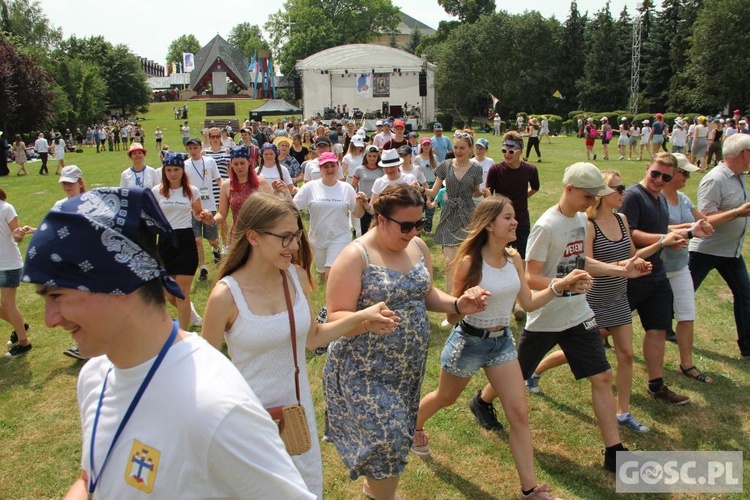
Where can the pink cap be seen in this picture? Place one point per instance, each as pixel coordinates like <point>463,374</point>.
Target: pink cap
<point>327,157</point>
<point>425,139</point>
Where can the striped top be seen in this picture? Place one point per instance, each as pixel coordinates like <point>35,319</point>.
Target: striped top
<point>609,289</point>
<point>222,162</point>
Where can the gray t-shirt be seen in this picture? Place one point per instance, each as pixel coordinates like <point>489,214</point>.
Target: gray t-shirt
<point>366,178</point>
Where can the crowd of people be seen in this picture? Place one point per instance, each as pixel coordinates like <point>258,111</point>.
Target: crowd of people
<point>575,275</point>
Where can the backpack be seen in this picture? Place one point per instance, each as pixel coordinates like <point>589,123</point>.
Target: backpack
<point>608,134</point>
<point>592,132</point>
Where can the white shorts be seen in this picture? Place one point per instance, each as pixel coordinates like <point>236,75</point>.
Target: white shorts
<point>325,256</point>
<point>684,296</point>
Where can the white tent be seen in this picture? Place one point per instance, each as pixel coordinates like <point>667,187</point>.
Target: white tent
<point>334,77</point>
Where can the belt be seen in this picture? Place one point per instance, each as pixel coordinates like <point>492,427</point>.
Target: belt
<point>481,333</point>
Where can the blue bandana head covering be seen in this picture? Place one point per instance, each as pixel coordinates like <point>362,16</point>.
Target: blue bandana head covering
<point>270,146</point>
<point>90,243</point>
<point>174,159</point>
<point>240,152</point>
<point>513,144</point>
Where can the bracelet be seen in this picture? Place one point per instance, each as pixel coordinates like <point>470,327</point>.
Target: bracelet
<point>661,241</point>
<point>455,306</point>
<point>689,234</point>
<point>552,287</point>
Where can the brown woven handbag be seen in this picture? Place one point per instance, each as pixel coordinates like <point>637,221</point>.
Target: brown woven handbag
<point>291,419</point>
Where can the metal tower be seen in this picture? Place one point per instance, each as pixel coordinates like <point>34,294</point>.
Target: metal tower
<point>635,66</point>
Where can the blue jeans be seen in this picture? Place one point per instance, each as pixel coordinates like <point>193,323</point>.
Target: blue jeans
<point>734,273</point>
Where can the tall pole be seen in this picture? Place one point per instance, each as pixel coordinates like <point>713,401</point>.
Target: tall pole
<point>635,67</point>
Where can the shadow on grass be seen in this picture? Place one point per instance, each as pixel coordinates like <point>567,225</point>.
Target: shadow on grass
<point>15,371</point>
<point>72,369</point>
<point>570,410</point>
<point>586,481</point>
<point>447,475</point>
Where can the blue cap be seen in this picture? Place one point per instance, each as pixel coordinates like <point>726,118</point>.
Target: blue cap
<point>483,143</point>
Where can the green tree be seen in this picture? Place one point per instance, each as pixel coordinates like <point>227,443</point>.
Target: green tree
<point>572,50</point>
<point>680,84</point>
<point>248,39</point>
<point>715,69</point>
<point>24,21</point>
<point>84,89</point>
<point>414,40</point>
<point>601,87</point>
<point>126,83</point>
<point>185,43</point>
<point>657,55</point>
<point>26,93</point>
<point>468,11</point>
<point>304,27</point>
<point>432,45</point>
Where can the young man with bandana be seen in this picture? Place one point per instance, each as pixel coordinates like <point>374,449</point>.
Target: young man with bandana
<point>154,420</point>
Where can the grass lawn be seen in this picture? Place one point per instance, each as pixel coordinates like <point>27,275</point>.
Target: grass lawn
<point>39,424</point>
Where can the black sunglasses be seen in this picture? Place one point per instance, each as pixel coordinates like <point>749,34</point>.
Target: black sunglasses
<point>655,174</point>
<point>684,173</point>
<point>620,189</point>
<point>406,227</point>
<point>286,239</point>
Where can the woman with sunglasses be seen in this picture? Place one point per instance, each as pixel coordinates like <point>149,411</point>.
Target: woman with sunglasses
<point>483,340</point>
<point>462,177</point>
<point>248,309</point>
<point>608,240</point>
<point>221,156</point>
<point>329,202</point>
<point>372,381</point>
<point>682,215</point>
<point>363,179</point>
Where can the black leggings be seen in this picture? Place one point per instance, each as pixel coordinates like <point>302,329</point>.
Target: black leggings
<point>533,141</point>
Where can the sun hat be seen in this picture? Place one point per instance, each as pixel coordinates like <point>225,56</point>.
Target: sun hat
<point>281,139</point>
<point>586,176</point>
<point>684,164</point>
<point>390,158</point>
<point>136,146</point>
<point>71,173</point>
<point>327,157</point>
<point>646,121</point>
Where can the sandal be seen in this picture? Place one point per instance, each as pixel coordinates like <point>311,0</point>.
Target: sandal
<point>420,445</point>
<point>701,377</point>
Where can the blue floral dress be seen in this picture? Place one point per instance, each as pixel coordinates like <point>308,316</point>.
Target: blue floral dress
<point>372,382</point>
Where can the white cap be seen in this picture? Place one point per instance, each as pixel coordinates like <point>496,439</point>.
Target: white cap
<point>586,176</point>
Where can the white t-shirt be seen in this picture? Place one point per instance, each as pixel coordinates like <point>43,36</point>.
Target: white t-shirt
<point>146,178</point>
<point>645,134</point>
<point>178,208</point>
<point>678,137</point>
<point>329,208</point>
<point>10,255</point>
<point>201,174</point>
<point>381,139</point>
<point>185,129</point>
<point>384,182</point>
<point>485,164</point>
<point>41,145</point>
<point>415,171</point>
<point>559,242</point>
<point>272,173</point>
<point>189,437</point>
<point>351,162</point>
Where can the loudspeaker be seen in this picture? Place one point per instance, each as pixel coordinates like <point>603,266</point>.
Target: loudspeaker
<point>385,109</point>
<point>297,87</point>
<point>423,84</point>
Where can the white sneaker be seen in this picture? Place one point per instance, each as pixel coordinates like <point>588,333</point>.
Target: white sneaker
<point>224,249</point>
<point>195,318</point>
<point>445,324</point>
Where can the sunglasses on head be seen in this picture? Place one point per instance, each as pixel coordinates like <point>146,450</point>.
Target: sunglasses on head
<point>462,135</point>
<point>620,189</point>
<point>286,239</point>
<point>509,151</point>
<point>655,174</point>
<point>406,227</point>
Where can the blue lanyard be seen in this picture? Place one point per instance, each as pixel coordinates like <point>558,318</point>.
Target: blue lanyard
<point>139,182</point>
<point>94,480</point>
<point>203,162</point>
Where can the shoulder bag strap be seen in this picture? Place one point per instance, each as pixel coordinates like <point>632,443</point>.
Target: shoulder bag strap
<point>293,330</point>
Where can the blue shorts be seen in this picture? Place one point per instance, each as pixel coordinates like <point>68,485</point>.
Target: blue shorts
<point>463,355</point>
<point>10,278</point>
<point>210,233</point>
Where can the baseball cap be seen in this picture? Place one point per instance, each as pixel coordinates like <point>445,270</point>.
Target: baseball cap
<point>437,126</point>
<point>399,123</point>
<point>586,176</point>
<point>404,150</point>
<point>483,143</point>
<point>322,140</point>
<point>71,173</point>
<point>327,157</point>
<point>193,140</point>
<point>684,164</point>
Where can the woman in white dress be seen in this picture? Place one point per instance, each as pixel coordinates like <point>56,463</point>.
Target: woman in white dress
<point>58,147</point>
<point>248,309</point>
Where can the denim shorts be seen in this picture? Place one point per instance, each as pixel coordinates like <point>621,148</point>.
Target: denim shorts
<point>204,230</point>
<point>463,355</point>
<point>10,278</point>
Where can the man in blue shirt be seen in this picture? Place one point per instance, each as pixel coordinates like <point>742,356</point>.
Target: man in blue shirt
<point>440,143</point>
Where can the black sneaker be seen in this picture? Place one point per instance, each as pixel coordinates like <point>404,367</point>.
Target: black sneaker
<point>594,156</point>
<point>13,339</point>
<point>17,350</point>
<point>217,256</point>
<point>671,336</point>
<point>203,276</point>
<point>73,353</point>
<point>610,459</point>
<point>484,413</point>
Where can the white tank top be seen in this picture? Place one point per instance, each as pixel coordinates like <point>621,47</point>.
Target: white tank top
<point>504,285</point>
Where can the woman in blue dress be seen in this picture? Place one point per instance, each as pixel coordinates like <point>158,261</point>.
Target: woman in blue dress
<point>372,378</point>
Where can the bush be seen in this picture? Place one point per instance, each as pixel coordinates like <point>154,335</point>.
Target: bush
<point>643,116</point>
<point>573,115</point>
<point>555,122</point>
<point>446,120</point>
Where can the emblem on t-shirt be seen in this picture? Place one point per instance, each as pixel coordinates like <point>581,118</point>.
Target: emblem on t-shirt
<point>142,467</point>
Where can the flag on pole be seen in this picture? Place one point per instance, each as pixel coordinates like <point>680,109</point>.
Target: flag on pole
<point>174,67</point>
<point>254,67</point>
<point>495,100</point>
<point>188,61</point>
<point>272,77</point>
<point>557,94</point>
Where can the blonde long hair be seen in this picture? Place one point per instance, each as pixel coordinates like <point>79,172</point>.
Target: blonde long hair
<point>593,210</point>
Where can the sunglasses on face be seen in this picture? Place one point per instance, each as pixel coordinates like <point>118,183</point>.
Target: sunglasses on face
<point>684,173</point>
<point>655,174</point>
<point>286,239</point>
<point>214,136</point>
<point>509,151</point>
<point>406,227</point>
<point>620,189</point>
